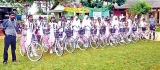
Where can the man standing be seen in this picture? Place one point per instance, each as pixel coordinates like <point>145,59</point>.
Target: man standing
<point>9,30</point>
<point>152,25</point>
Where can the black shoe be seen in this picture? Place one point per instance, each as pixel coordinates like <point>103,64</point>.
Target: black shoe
<point>5,63</point>
<point>16,61</point>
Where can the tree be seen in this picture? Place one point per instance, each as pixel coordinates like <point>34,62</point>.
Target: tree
<point>119,2</point>
<point>92,3</point>
<point>140,8</point>
<point>99,3</point>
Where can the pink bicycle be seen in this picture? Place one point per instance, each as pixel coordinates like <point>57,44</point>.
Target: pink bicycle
<point>34,51</point>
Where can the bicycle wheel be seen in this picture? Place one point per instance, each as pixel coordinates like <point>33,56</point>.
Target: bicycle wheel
<point>102,41</point>
<point>153,35</point>
<point>107,41</point>
<point>45,46</point>
<point>83,43</point>
<point>113,41</point>
<point>128,39</point>
<point>34,51</point>
<point>145,37</point>
<point>120,40</point>
<point>69,45</point>
<point>135,37</point>
<point>59,48</point>
<point>22,46</point>
<point>94,41</point>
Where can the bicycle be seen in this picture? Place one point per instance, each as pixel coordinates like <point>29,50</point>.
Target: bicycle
<point>45,42</point>
<point>34,51</point>
<point>152,33</point>
<point>69,41</point>
<point>102,38</point>
<point>22,44</point>
<point>59,45</point>
<point>143,34</point>
<point>121,34</point>
<point>134,35</point>
<point>81,41</point>
<point>112,38</point>
<point>93,38</point>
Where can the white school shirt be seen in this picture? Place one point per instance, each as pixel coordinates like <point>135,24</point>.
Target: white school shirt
<point>121,24</point>
<point>129,23</point>
<point>53,25</point>
<point>38,23</point>
<point>86,23</point>
<point>143,24</point>
<point>98,25</point>
<point>30,25</point>
<point>115,24</point>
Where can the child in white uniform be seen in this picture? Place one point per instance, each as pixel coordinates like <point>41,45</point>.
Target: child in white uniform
<point>53,27</point>
<point>86,23</point>
<point>143,25</point>
<point>30,29</point>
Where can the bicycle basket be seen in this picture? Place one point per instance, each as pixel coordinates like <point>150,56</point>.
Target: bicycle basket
<point>81,31</point>
<point>47,32</point>
<point>34,38</point>
<point>134,29</point>
<point>143,28</point>
<point>126,29</point>
<point>112,30</point>
<point>121,30</point>
<point>93,31</point>
<point>69,32</point>
<point>102,30</point>
<point>58,34</point>
<point>24,34</point>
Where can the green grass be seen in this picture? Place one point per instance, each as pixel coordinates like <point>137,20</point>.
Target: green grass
<point>135,56</point>
<point>158,29</point>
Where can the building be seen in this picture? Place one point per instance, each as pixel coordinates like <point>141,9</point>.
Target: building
<point>118,10</point>
<point>5,8</point>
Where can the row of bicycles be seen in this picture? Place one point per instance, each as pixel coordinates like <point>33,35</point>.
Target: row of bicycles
<point>64,40</point>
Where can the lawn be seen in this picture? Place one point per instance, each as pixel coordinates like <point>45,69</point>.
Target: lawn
<point>158,29</point>
<point>135,56</point>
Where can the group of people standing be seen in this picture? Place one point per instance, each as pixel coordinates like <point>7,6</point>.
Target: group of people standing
<point>119,23</point>
<point>41,26</point>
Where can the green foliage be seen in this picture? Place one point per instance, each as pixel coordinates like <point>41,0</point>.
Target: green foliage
<point>24,1</point>
<point>55,3</point>
<point>119,2</point>
<point>99,3</point>
<point>49,18</point>
<point>140,8</point>
<point>110,6</point>
<point>92,3</point>
<point>40,12</point>
<point>20,21</point>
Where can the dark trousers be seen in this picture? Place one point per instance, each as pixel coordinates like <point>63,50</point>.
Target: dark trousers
<point>152,27</point>
<point>9,40</point>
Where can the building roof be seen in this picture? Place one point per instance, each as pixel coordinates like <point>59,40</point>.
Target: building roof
<point>58,8</point>
<point>129,3</point>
